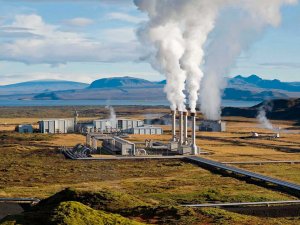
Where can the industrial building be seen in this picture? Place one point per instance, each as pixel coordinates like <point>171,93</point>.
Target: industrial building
<point>147,130</point>
<point>57,126</point>
<point>113,144</point>
<point>128,126</point>
<point>119,146</point>
<point>181,143</point>
<point>24,128</point>
<point>85,128</point>
<point>106,125</point>
<point>212,126</point>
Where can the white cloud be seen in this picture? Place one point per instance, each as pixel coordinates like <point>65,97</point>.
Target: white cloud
<point>124,17</point>
<point>120,34</point>
<point>79,21</point>
<point>49,44</point>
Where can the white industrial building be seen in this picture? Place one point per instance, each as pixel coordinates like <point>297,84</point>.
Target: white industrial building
<point>128,126</point>
<point>124,124</point>
<point>56,126</point>
<point>25,128</point>
<point>147,130</point>
<point>212,126</point>
<point>106,125</point>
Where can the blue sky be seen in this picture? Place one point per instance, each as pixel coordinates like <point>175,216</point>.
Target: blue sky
<point>88,40</point>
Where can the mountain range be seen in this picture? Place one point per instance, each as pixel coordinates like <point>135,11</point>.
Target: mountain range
<point>129,88</point>
<point>278,109</point>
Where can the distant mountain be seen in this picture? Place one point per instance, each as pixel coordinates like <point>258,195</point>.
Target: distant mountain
<point>118,82</point>
<point>124,93</point>
<point>252,88</point>
<point>280,109</point>
<point>253,95</point>
<point>40,86</point>
<point>256,81</point>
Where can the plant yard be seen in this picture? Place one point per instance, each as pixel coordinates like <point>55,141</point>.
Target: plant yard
<point>145,191</point>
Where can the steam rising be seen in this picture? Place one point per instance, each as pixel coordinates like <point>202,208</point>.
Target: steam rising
<point>192,39</point>
<point>245,22</point>
<point>262,118</point>
<point>112,115</point>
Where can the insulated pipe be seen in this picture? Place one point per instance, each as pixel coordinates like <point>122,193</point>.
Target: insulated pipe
<point>194,146</point>
<point>185,128</point>
<point>174,125</point>
<point>94,143</point>
<point>180,128</point>
<point>88,140</point>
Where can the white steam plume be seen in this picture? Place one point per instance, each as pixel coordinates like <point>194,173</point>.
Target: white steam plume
<point>178,30</point>
<point>112,115</point>
<point>262,118</point>
<point>243,25</point>
<point>195,35</point>
<point>163,33</point>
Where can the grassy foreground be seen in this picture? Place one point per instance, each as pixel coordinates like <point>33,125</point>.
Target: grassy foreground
<point>71,207</point>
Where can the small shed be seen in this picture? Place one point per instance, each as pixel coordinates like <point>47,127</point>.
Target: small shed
<point>212,126</point>
<point>25,128</point>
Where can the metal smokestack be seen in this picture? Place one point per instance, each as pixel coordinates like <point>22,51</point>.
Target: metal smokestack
<point>174,125</point>
<point>194,146</point>
<point>180,128</point>
<point>185,128</point>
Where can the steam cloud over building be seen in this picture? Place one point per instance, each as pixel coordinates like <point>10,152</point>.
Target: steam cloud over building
<point>195,47</point>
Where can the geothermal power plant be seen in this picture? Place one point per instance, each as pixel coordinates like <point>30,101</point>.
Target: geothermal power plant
<point>182,141</point>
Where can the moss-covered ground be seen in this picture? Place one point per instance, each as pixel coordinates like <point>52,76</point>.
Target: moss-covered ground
<point>71,207</point>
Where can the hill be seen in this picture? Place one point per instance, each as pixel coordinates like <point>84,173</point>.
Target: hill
<point>117,82</point>
<point>255,81</point>
<point>280,109</point>
<point>38,86</point>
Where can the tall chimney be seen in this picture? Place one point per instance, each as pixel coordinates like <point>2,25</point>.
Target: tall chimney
<point>180,128</point>
<point>185,128</point>
<point>194,146</point>
<point>174,125</point>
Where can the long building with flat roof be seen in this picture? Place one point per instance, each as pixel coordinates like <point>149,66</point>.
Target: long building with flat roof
<point>107,125</point>
<point>57,126</point>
